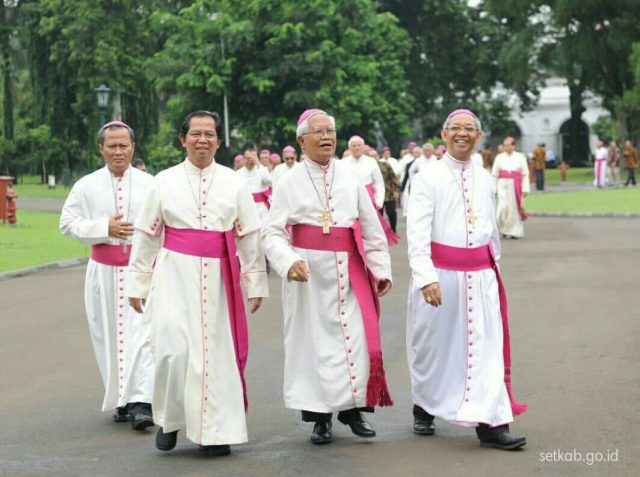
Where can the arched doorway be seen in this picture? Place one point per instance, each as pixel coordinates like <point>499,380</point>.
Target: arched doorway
<point>575,142</point>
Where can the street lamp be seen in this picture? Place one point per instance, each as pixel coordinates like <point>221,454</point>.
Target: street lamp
<point>102,97</point>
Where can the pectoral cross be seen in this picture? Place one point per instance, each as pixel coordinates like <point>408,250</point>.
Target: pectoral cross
<point>325,220</point>
<point>125,247</point>
<point>201,216</point>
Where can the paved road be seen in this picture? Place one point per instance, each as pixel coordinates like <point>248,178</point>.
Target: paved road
<point>573,289</point>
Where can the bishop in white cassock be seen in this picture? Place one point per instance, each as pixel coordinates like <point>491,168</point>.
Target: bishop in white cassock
<point>184,267</point>
<point>289,157</point>
<point>371,177</point>
<point>511,172</point>
<point>99,211</point>
<point>457,325</point>
<point>321,226</point>
<point>258,180</point>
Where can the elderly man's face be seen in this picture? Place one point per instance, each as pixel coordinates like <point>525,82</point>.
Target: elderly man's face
<point>117,149</point>
<point>427,150</point>
<point>416,152</point>
<point>357,148</point>
<point>264,158</point>
<point>250,159</point>
<point>461,136</point>
<point>319,143</point>
<point>289,158</point>
<point>201,141</point>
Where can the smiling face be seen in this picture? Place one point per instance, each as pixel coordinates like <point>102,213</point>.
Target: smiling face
<point>461,136</point>
<point>201,141</point>
<point>117,149</point>
<point>319,143</point>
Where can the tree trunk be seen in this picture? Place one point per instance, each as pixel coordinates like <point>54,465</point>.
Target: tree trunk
<point>7,99</point>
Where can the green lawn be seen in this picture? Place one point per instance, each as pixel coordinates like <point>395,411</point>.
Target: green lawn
<point>593,200</point>
<point>36,241</point>
<point>574,174</point>
<point>30,186</point>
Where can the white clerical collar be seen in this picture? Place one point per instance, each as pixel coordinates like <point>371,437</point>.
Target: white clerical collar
<point>193,169</point>
<point>453,162</point>
<point>315,165</point>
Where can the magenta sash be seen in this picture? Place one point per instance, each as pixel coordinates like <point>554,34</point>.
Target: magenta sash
<point>349,239</point>
<point>112,255</point>
<point>392,237</point>
<point>599,170</point>
<point>517,185</point>
<point>221,245</point>
<point>262,197</point>
<point>474,259</point>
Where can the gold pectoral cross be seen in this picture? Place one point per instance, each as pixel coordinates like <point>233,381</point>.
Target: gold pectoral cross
<point>325,220</point>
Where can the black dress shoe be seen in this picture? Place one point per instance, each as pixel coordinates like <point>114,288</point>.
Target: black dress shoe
<point>166,442</point>
<point>353,418</point>
<point>423,424</point>
<point>122,414</point>
<point>216,451</point>
<point>499,437</point>
<point>322,432</point>
<point>141,416</point>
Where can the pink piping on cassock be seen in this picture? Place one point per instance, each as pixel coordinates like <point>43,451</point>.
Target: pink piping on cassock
<point>221,245</point>
<point>474,259</point>
<point>517,184</point>
<point>392,237</point>
<point>107,254</point>
<point>349,239</point>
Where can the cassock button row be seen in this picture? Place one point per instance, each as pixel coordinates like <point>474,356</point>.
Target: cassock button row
<point>470,343</point>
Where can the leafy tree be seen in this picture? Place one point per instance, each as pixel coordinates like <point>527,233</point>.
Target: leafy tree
<point>275,59</point>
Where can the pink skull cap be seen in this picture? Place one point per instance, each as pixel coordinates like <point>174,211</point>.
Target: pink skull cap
<point>275,156</point>
<point>308,113</point>
<point>458,112</point>
<point>386,148</point>
<point>442,148</point>
<point>412,144</point>
<point>289,149</point>
<point>239,157</point>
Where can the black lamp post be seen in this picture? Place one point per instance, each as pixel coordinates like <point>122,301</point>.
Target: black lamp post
<point>102,97</point>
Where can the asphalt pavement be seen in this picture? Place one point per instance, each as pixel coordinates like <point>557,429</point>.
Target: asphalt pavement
<point>573,288</point>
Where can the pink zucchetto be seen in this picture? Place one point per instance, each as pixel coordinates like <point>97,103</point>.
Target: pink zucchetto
<point>239,157</point>
<point>275,157</point>
<point>442,148</point>
<point>289,149</point>
<point>308,113</point>
<point>411,144</point>
<point>458,112</point>
<point>386,148</point>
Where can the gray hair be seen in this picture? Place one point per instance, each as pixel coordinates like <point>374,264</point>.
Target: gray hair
<point>477,122</point>
<point>354,139</point>
<point>303,127</point>
<point>114,125</point>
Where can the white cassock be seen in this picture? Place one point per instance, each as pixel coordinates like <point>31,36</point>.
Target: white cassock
<point>120,336</point>
<point>258,180</point>
<point>509,220</point>
<point>278,173</point>
<point>198,387</point>
<point>326,354</point>
<point>455,351</point>
<point>477,160</point>
<point>402,164</point>
<point>369,173</point>
<point>417,166</point>
<point>600,167</point>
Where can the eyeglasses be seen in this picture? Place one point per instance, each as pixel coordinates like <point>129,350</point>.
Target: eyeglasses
<point>209,135</point>
<point>321,132</point>
<point>457,129</point>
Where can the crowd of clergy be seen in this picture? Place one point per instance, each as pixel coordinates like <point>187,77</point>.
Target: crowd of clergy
<point>180,258</point>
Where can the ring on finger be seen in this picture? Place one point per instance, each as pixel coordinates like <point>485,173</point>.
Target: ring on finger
<point>428,299</point>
